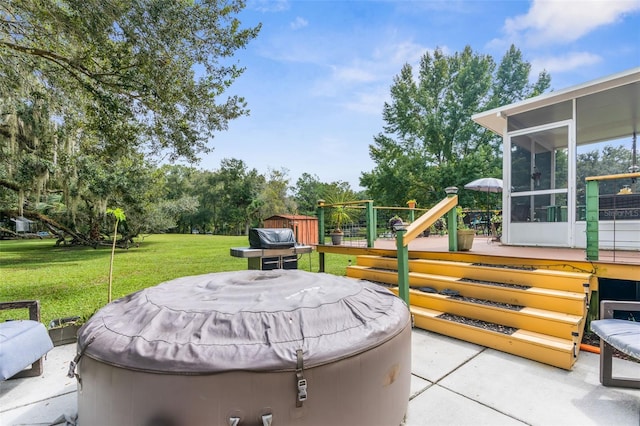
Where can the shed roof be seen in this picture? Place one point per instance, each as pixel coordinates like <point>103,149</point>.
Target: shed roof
<point>291,217</point>
<point>21,219</point>
<point>607,108</point>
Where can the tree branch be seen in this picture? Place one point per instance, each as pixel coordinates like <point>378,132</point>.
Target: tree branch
<point>70,65</point>
<point>9,185</point>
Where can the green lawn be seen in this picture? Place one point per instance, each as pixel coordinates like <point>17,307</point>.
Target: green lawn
<point>72,281</point>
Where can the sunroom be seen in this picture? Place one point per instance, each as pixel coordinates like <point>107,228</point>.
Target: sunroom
<point>551,144</point>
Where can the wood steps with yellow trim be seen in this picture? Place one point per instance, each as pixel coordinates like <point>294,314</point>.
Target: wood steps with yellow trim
<point>547,321</point>
<point>550,350</point>
<point>535,297</point>
<point>551,323</point>
<point>557,280</point>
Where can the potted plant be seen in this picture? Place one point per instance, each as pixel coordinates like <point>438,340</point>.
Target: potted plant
<point>465,234</point>
<point>63,331</point>
<point>496,226</point>
<point>412,203</point>
<point>338,216</point>
<point>340,212</point>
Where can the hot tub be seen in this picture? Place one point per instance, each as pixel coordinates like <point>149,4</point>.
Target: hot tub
<point>282,347</point>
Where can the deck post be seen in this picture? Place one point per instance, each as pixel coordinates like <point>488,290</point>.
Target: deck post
<point>371,223</point>
<point>403,265</point>
<point>593,217</point>
<point>452,220</point>
<point>320,214</point>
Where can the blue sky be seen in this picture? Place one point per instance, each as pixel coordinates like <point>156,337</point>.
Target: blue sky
<point>318,74</point>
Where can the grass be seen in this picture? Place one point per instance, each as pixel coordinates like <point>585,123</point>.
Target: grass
<point>72,281</point>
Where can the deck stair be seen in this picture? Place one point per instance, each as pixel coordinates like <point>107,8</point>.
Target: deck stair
<point>527,311</point>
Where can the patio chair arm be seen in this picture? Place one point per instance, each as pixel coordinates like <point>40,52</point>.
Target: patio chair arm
<point>32,305</point>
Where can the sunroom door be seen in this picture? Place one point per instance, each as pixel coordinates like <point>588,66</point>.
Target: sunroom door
<point>539,199</point>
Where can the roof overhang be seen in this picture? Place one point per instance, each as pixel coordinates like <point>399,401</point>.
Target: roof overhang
<point>607,108</point>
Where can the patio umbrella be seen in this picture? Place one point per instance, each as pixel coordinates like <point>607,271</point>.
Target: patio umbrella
<point>487,185</point>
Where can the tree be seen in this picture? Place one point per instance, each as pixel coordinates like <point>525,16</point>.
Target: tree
<point>606,159</point>
<point>119,216</point>
<point>429,141</point>
<point>88,90</point>
<point>236,189</point>
<point>179,198</point>
<point>306,193</point>
<point>274,197</point>
<point>308,190</point>
<point>127,70</point>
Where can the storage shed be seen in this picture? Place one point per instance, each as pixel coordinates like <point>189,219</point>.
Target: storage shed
<point>305,228</point>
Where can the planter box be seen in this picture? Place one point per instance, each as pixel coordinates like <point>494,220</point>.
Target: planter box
<point>64,335</point>
<point>465,239</point>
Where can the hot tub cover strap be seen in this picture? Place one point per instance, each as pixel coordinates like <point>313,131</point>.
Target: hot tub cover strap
<point>72,365</point>
<point>300,380</point>
<point>244,320</point>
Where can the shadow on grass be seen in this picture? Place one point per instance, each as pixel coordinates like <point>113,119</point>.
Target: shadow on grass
<point>30,253</point>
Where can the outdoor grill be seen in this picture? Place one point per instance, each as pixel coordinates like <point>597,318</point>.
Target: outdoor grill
<point>271,248</point>
<point>247,348</point>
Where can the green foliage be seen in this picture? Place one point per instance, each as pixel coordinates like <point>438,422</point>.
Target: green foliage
<point>460,214</point>
<point>118,213</point>
<point>309,190</point>
<point>306,193</point>
<point>92,90</point>
<point>606,159</point>
<point>70,281</point>
<point>124,70</point>
<point>429,141</point>
<point>273,198</point>
<point>341,212</point>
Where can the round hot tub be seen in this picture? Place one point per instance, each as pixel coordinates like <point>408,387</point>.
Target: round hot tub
<point>283,347</point>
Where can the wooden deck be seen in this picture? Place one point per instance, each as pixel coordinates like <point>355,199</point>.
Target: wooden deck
<point>624,265</point>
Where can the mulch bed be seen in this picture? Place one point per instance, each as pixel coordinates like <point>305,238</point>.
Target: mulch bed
<point>521,267</point>
<point>480,324</point>
<point>518,286</point>
<point>488,303</point>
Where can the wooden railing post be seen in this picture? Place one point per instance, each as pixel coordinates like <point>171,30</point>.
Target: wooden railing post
<point>320,214</point>
<point>593,217</point>
<point>403,265</point>
<point>371,223</point>
<point>452,220</point>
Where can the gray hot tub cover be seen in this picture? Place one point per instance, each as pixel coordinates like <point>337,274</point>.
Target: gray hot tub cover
<point>246,320</point>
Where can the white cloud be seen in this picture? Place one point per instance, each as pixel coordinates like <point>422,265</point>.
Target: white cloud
<point>361,84</point>
<point>356,78</point>
<point>369,102</point>
<point>395,55</point>
<point>354,75</point>
<point>564,63</point>
<point>563,21</point>
<point>269,5</point>
<point>298,23</point>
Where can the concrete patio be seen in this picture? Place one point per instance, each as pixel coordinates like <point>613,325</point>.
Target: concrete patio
<point>453,383</point>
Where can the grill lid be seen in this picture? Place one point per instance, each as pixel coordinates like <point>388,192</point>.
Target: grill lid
<point>245,320</point>
<point>268,238</point>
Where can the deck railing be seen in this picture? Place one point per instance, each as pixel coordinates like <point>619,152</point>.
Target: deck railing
<point>593,211</point>
<point>404,234</point>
